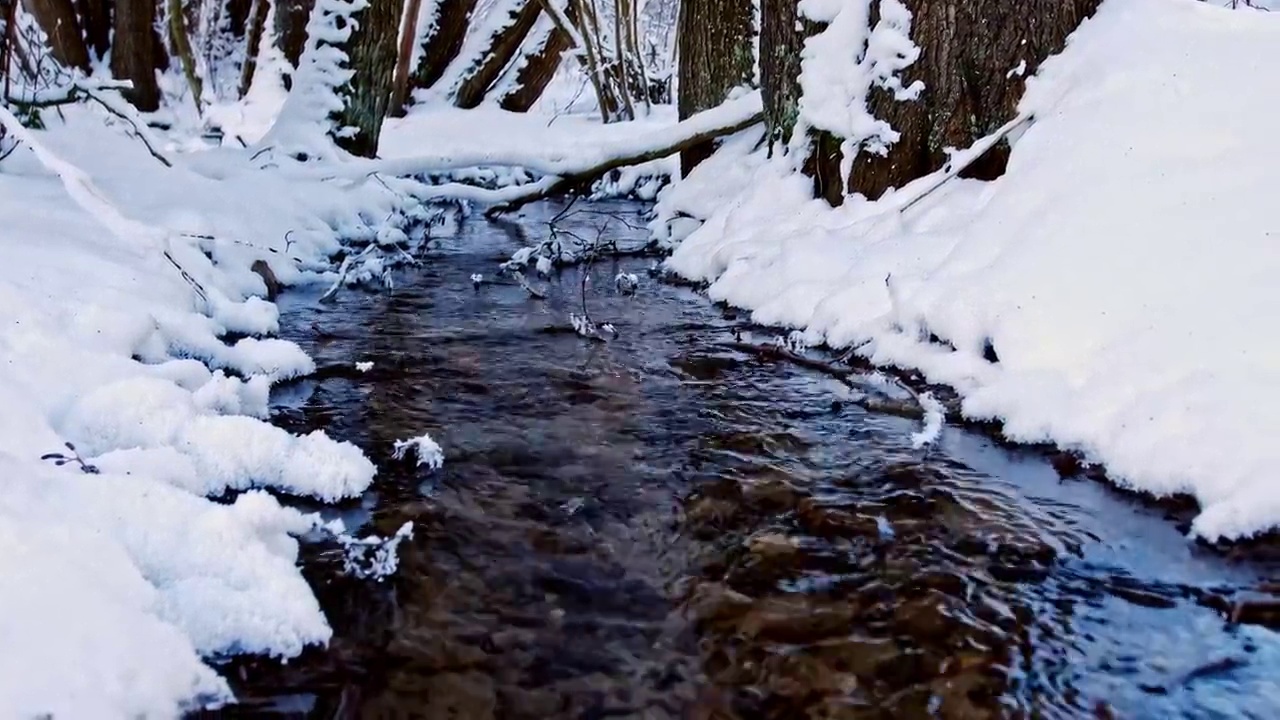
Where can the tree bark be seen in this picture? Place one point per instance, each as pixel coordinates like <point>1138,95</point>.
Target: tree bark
<point>971,49</point>
<point>95,21</point>
<point>443,43</point>
<point>502,47</point>
<point>539,68</point>
<point>291,27</point>
<point>781,40</point>
<point>57,18</point>
<point>256,25</point>
<point>372,56</point>
<point>715,39</point>
<point>8,39</point>
<point>134,52</point>
<point>408,33</point>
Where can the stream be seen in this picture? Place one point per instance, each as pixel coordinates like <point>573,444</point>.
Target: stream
<point>666,525</point>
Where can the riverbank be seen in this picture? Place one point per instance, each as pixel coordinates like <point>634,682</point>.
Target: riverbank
<point>138,359</point>
<point>1107,295</point>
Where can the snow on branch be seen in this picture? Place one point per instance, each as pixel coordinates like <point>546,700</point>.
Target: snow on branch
<point>79,90</point>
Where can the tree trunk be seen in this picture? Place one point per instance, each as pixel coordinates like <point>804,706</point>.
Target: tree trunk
<point>443,43</point>
<point>970,49</point>
<point>57,18</point>
<point>781,40</point>
<point>182,45</point>
<point>593,62</point>
<point>239,16</point>
<point>291,27</point>
<point>95,21</point>
<point>408,33</point>
<point>715,39</point>
<point>539,68</point>
<point>257,23</point>
<point>502,47</point>
<point>8,38</point>
<point>134,52</point>
<point>372,56</point>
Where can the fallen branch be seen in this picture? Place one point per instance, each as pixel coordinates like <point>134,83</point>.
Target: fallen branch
<point>79,91</point>
<point>962,160</point>
<point>89,198</point>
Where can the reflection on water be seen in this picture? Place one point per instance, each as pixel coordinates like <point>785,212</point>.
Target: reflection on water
<point>664,526</point>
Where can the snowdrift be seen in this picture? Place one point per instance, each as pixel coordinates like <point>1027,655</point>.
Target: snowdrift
<point>1124,270</point>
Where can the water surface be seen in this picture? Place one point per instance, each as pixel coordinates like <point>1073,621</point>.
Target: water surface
<point>666,525</point>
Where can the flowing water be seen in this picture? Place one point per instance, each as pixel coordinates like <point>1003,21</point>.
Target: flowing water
<point>670,525</point>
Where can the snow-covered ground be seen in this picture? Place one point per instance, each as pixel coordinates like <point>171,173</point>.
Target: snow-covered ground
<point>117,584</point>
<point>1124,270</point>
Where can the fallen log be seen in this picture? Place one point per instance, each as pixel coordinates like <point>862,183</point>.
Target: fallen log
<point>560,172</point>
<point>539,190</point>
<point>725,119</point>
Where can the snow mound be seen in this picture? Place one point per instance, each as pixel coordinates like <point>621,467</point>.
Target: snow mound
<point>1122,271</point>
<point>132,577</point>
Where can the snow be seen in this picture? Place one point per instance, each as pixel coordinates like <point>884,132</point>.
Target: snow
<point>841,64</point>
<point>373,556</point>
<point>934,414</point>
<point>124,279</point>
<point>1123,270</point>
<point>427,451</point>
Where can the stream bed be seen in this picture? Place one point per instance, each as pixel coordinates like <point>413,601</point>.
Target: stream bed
<point>665,525</point>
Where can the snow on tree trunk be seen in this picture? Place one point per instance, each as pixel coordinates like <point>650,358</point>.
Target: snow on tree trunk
<point>57,18</point>
<point>404,57</point>
<point>442,43</point>
<point>182,46</point>
<point>888,85</point>
<point>256,26</point>
<point>538,68</point>
<point>371,53</point>
<point>502,47</point>
<point>134,52</point>
<point>715,40</point>
<point>976,56</point>
<point>291,27</point>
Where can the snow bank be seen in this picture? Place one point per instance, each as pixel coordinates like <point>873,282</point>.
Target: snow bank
<point>1123,270</point>
<point>117,585</point>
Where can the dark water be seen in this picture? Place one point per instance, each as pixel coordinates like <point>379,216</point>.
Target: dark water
<point>668,526</point>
